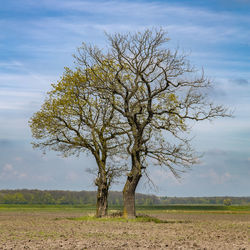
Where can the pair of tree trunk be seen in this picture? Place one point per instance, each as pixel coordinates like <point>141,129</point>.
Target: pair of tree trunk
<point>128,192</point>
<point>128,198</point>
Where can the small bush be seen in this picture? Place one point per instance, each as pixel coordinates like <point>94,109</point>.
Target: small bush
<point>227,202</point>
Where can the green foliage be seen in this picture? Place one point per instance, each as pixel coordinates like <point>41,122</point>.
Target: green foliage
<point>146,218</point>
<point>140,218</point>
<point>16,198</point>
<point>58,197</point>
<point>73,120</point>
<point>227,202</point>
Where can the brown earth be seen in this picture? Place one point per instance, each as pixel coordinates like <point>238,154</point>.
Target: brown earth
<point>184,230</point>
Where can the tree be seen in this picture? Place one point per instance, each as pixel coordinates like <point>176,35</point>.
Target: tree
<point>227,202</point>
<point>158,94</point>
<point>73,120</point>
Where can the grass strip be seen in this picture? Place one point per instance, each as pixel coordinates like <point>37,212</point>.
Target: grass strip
<point>139,218</point>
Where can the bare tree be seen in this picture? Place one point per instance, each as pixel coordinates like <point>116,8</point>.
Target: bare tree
<point>158,95</point>
<point>73,120</point>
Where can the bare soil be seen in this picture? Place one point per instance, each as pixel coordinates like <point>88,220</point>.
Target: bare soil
<point>184,230</point>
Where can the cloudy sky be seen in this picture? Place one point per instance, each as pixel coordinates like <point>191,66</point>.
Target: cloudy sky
<point>37,40</point>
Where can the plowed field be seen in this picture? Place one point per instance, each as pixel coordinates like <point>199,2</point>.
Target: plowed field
<point>181,230</point>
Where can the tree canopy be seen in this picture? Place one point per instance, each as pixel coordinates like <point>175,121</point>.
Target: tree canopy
<point>72,120</point>
<point>138,98</point>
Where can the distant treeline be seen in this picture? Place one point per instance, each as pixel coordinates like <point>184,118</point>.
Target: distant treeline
<point>25,196</point>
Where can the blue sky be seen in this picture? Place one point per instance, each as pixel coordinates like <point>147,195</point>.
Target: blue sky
<point>37,40</point>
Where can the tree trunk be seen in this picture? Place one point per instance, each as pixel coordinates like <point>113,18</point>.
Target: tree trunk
<point>102,200</point>
<point>129,189</point>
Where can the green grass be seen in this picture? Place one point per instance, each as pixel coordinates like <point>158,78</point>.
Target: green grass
<point>140,218</point>
<point>91,208</point>
<point>45,208</point>
<point>194,208</point>
<point>93,218</point>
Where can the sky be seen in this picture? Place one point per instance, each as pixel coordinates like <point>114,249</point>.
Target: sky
<point>37,40</point>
